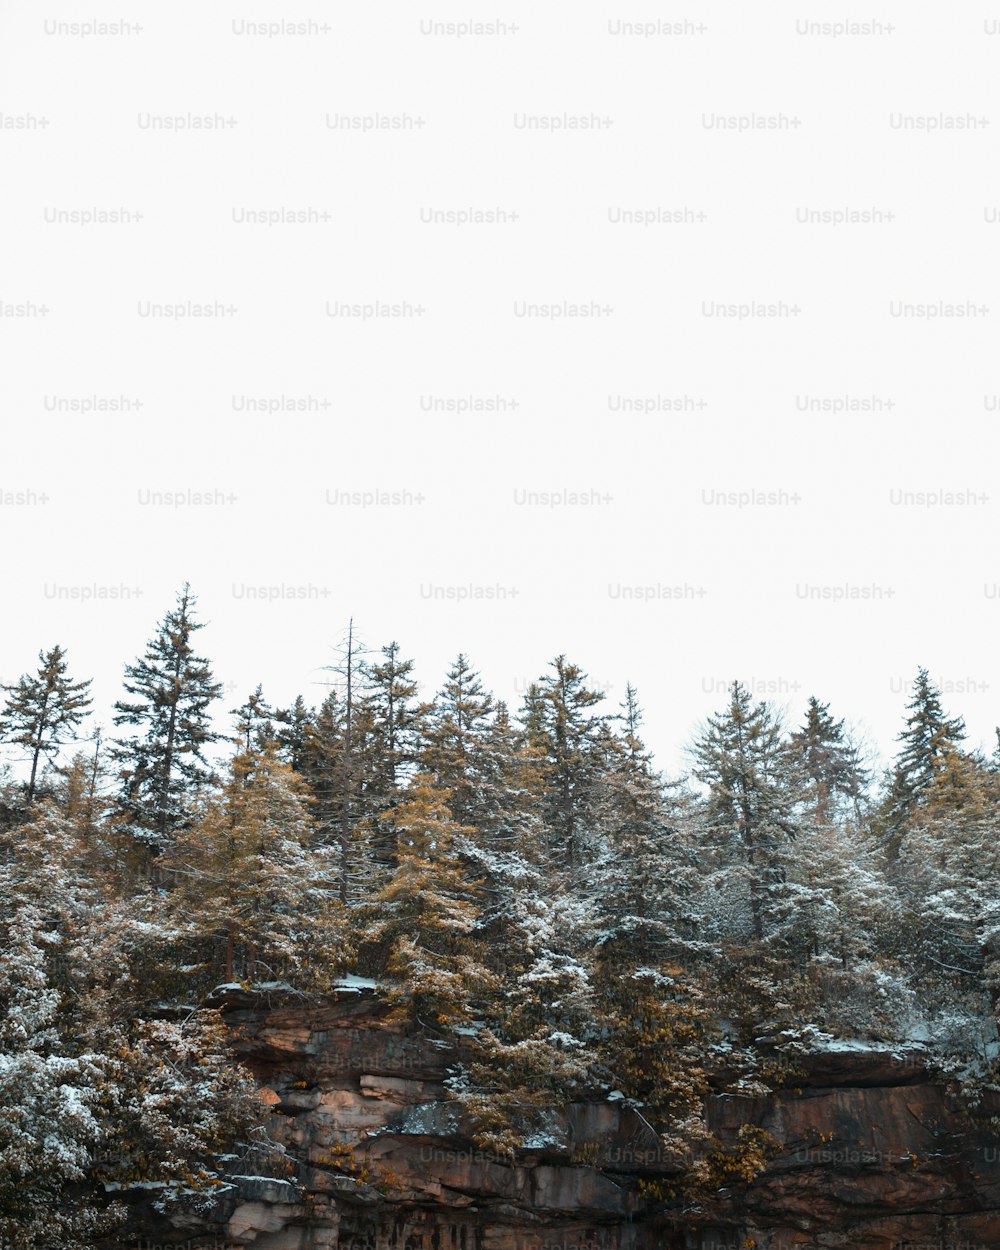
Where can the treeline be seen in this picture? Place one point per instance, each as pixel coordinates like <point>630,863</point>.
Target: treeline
<point>527,877</point>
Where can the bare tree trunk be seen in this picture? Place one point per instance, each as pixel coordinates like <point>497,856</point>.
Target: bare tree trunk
<point>38,745</point>
<point>92,788</point>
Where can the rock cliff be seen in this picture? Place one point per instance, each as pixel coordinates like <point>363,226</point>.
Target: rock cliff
<point>875,1154</point>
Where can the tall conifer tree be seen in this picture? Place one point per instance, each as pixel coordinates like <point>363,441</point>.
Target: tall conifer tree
<point>43,710</point>
<point>172,691</point>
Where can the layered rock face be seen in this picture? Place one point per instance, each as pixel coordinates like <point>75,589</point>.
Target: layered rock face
<point>875,1155</point>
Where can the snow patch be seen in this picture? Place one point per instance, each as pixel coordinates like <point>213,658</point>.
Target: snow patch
<point>351,982</point>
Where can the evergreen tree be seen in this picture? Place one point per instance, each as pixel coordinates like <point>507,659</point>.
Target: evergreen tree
<point>349,770</point>
<point>49,1127</point>
<point>947,871</point>
<point>254,722</point>
<point>91,1093</point>
<point>336,748</point>
<point>248,878</point>
<point>926,738</point>
<point>321,765</point>
<point>534,1019</point>
<point>829,760</point>
<point>291,732</point>
<point>455,740</point>
<point>397,721</point>
<point>655,1035</point>
<point>506,849</point>
<point>426,913</point>
<point>535,1011</point>
<point>840,902</point>
<point>43,710</point>
<point>172,692</point>
<point>561,727</point>
<point>645,877</point>
<point>510,788</point>
<point>743,760</point>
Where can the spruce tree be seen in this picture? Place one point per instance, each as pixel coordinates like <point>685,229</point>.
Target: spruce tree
<point>254,722</point>
<point>291,732</point>
<point>346,754</point>
<point>92,1093</point>
<point>397,721</point>
<point>43,710</point>
<point>829,760</point>
<point>743,760</point>
<point>322,764</point>
<point>336,760</point>
<point>841,904</point>
<point>562,728</point>
<point>172,691</point>
<point>49,1091</point>
<point>248,878</point>
<point>507,846</point>
<point>926,739</point>
<point>425,914</point>
<point>510,788</point>
<point>645,876</point>
<point>455,739</point>
<point>947,873</point>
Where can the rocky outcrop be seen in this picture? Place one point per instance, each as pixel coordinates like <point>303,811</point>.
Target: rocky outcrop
<point>874,1155</point>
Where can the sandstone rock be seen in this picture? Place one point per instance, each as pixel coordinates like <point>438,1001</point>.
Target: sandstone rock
<point>252,1218</point>
<point>874,1154</point>
<point>393,1087</point>
<point>266,1189</point>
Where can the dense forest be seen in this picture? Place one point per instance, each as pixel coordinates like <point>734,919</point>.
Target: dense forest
<point>525,878</point>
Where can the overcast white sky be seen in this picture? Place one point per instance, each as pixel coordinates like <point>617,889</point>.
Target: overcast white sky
<point>729,135</point>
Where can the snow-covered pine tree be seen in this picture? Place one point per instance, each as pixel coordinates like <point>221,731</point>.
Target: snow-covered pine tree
<point>749,811</point>
<point>830,761</point>
<point>455,734</point>
<point>333,761</point>
<point>43,710</point>
<point>565,733</point>
<point>927,735</point>
<point>90,1091</point>
<point>535,1015</point>
<point>423,919</point>
<point>947,873</point>
<point>49,1091</point>
<point>396,718</point>
<point>172,691</point>
<point>507,848</point>
<point>321,764</point>
<point>45,864</point>
<point>254,722</point>
<point>840,910</point>
<point>645,877</point>
<point>840,904</point>
<point>248,880</point>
